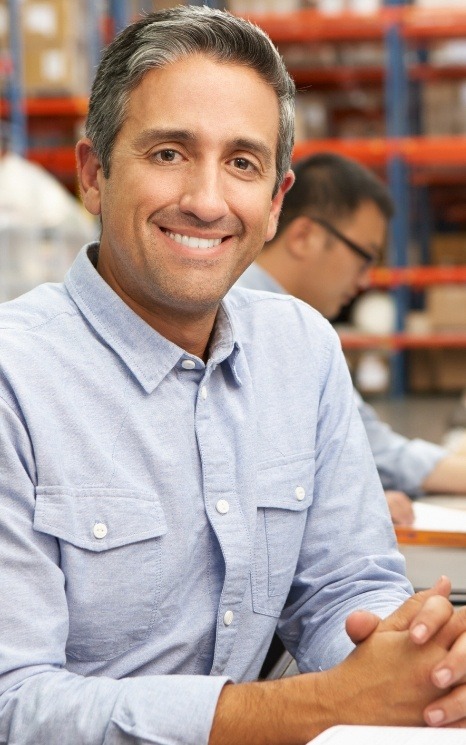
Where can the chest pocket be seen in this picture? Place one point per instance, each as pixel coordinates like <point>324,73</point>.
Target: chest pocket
<point>110,557</point>
<point>284,494</point>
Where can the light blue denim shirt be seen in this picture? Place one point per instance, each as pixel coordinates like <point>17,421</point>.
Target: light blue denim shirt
<point>402,463</point>
<point>159,516</point>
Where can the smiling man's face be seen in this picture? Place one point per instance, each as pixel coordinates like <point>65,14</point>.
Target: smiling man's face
<point>189,200</point>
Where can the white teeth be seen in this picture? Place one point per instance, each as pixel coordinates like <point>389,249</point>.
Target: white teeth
<point>193,242</point>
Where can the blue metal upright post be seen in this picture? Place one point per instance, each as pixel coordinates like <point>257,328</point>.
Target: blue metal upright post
<point>18,123</point>
<point>120,15</point>
<point>95,13</point>
<point>398,179</point>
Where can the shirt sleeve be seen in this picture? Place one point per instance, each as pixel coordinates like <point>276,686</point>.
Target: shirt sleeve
<point>349,558</point>
<point>42,703</point>
<point>402,464</point>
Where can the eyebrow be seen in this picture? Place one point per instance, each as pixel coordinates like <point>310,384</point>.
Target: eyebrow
<point>147,137</point>
<point>254,146</point>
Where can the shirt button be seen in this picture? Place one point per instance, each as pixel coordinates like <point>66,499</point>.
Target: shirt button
<point>204,392</point>
<point>300,493</point>
<point>222,506</point>
<point>188,364</point>
<point>228,618</point>
<point>100,530</point>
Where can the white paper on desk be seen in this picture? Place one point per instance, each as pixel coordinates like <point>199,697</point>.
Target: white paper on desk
<point>433,517</point>
<point>344,734</point>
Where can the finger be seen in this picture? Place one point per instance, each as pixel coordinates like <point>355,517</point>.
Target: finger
<point>360,625</point>
<point>434,614</point>
<point>453,629</point>
<point>405,616</point>
<point>452,669</point>
<point>450,709</point>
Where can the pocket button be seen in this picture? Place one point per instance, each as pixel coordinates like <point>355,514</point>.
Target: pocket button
<point>100,530</point>
<point>300,493</point>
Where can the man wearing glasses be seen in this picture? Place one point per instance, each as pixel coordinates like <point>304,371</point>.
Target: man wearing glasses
<point>332,230</point>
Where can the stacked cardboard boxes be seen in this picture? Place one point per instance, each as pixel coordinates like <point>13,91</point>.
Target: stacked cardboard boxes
<point>441,370</point>
<point>55,59</point>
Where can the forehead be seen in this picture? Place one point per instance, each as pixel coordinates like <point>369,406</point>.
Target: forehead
<point>367,222</point>
<point>196,87</point>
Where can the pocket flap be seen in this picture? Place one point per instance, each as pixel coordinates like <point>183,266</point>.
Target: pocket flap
<point>98,519</point>
<point>287,484</point>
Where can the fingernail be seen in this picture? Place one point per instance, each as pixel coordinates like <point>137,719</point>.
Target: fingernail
<point>436,716</point>
<point>443,677</point>
<point>419,632</point>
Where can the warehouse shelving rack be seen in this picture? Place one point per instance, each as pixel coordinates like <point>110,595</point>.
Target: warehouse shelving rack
<point>407,157</point>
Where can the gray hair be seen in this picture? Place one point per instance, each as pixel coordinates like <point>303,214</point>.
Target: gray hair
<point>166,36</point>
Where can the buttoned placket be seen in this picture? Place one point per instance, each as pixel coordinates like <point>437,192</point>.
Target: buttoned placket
<point>226,519</point>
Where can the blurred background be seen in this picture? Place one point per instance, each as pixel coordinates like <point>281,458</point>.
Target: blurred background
<point>382,82</point>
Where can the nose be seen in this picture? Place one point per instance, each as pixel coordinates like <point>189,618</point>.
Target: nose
<point>203,194</point>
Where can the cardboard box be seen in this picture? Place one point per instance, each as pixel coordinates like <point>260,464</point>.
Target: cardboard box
<point>446,307</point>
<point>421,371</point>
<point>448,249</point>
<point>53,21</point>
<point>437,370</point>
<point>56,69</point>
<point>451,370</point>
<point>54,37</point>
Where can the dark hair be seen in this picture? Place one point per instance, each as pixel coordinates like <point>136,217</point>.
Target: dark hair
<point>166,36</point>
<point>332,187</point>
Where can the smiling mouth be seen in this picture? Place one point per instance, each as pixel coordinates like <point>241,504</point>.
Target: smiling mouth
<point>191,241</point>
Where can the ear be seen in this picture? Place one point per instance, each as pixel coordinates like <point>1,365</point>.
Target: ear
<point>276,205</point>
<point>303,238</point>
<point>298,237</point>
<point>89,175</point>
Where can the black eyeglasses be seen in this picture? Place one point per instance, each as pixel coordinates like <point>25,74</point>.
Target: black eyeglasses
<point>369,258</point>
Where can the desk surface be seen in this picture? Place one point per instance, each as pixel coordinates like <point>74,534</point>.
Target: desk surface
<point>449,532</point>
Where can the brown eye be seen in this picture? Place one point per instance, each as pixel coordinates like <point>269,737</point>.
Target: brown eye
<point>168,156</point>
<point>242,163</point>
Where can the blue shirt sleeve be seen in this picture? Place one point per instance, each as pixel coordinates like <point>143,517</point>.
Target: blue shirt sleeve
<point>403,464</point>
<point>349,510</point>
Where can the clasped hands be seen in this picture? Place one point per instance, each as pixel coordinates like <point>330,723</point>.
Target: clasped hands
<point>414,663</point>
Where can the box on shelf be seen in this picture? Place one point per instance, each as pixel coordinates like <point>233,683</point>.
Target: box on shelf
<point>446,307</point>
<point>55,59</point>
<point>448,249</point>
<point>437,370</point>
<point>444,107</point>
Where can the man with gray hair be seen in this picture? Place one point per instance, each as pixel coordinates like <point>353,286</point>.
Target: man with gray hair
<point>183,468</point>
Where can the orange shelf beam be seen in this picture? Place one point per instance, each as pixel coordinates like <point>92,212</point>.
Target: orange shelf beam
<point>312,25</point>
<point>349,77</point>
<point>345,77</point>
<point>373,152</point>
<point>417,151</point>
<point>417,276</point>
<point>37,107</point>
<point>61,159</point>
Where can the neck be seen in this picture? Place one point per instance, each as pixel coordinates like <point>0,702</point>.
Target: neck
<point>271,259</point>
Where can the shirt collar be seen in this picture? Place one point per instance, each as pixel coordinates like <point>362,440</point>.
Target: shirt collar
<point>258,278</point>
<point>148,355</point>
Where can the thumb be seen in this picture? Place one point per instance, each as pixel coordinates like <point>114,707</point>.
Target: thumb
<point>360,624</point>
